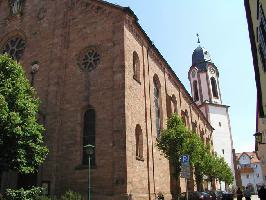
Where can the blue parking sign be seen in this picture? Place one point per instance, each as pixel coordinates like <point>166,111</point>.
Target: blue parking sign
<point>184,159</point>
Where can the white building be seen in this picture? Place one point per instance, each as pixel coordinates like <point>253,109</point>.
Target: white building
<point>249,167</point>
<point>205,89</point>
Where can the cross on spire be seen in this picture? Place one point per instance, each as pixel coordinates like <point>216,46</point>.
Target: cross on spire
<point>198,38</point>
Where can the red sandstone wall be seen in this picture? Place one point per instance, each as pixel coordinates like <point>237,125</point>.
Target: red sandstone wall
<point>54,40</point>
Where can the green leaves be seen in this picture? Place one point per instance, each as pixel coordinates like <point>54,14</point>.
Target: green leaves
<point>177,140</point>
<point>21,141</point>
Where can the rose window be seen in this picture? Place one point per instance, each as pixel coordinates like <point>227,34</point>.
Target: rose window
<point>89,59</point>
<point>14,47</point>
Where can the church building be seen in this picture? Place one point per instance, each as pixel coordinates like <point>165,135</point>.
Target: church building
<point>205,88</point>
<point>101,81</point>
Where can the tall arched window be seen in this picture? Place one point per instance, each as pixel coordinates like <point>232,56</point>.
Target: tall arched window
<point>139,142</point>
<point>136,66</point>
<point>214,87</point>
<point>184,117</point>
<point>174,103</point>
<point>89,134</point>
<point>157,104</point>
<point>195,89</point>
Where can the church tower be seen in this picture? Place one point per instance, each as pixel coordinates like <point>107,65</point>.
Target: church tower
<point>205,88</point>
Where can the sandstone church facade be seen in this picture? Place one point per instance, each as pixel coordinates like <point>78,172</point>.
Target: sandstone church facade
<point>100,81</point>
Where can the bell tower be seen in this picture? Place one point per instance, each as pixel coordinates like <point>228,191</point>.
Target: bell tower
<point>204,78</point>
<point>205,89</point>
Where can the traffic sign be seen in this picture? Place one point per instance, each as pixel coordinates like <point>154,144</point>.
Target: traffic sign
<point>185,160</point>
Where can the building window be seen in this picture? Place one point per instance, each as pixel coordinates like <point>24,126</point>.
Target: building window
<point>194,127</point>
<point>202,135</point>
<point>174,103</point>
<point>214,87</point>
<point>136,66</point>
<point>89,135</point>
<point>184,117</point>
<point>139,142</point>
<point>247,175</point>
<point>223,151</point>
<point>258,12</point>
<point>220,124</point>
<point>196,92</point>
<point>14,47</point>
<point>157,105</point>
<point>168,105</point>
<point>88,59</point>
<point>262,38</point>
<point>258,175</point>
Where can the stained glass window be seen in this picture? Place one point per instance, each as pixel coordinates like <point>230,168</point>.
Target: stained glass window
<point>89,134</point>
<point>89,59</point>
<point>14,47</point>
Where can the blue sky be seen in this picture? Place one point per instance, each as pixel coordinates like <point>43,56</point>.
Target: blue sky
<point>172,26</point>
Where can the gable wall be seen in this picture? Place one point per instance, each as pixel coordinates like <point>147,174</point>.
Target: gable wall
<point>55,40</point>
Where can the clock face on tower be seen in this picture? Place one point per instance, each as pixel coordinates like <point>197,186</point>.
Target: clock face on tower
<point>212,70</point>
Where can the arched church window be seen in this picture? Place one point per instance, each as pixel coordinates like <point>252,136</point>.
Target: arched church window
<point>168,105</point>
<point>174,103</point>
<point>139,142</point>
<point>14,47</point>
<point>136,66</point>
<point>184,117</point>
<point>89,134</point>
<point>194,127</point>
<point>195,89</point>
<point>214,87</point>
<point>157,104</point>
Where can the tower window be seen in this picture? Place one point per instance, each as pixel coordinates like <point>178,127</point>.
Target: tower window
<point>195,89</point>
<point>139,142</point>
<point>136,66</point>
<point>214,87</point>
<point>157,103</point>
<point>89,135</point>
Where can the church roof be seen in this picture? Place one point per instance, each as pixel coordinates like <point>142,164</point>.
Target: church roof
<point>201,59</point>
<point>200,55</point>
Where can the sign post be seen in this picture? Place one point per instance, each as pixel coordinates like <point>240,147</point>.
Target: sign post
<point>185,170</point>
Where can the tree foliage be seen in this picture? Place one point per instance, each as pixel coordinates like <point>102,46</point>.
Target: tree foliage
<point>21,141</point>
<point>177,140</point>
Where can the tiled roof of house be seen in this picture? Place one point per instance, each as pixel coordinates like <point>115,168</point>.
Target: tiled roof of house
<point>252,155</point>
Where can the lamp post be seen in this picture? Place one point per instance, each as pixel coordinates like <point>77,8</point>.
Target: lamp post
<point>89,150</point>
<point>34,70</point>
<point>258,138</point>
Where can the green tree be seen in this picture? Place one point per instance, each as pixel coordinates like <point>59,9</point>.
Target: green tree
<point>21,141</point>
<point>172,143</point>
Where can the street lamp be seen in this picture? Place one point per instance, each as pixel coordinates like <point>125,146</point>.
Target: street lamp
<point>258,138</point>
<point>89,150</point>
<point>34,69</point>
